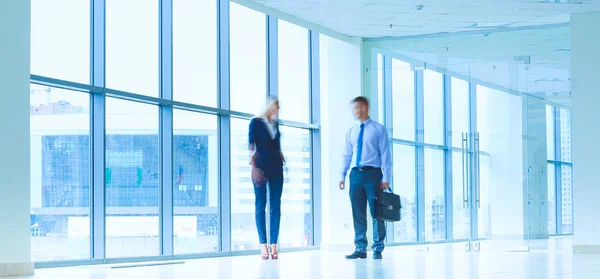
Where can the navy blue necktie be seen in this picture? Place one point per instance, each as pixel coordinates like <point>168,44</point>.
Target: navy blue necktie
<point>360,144</point>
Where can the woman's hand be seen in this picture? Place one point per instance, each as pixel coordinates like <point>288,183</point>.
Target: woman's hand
<point>282,157</point>
<point>252,153</point>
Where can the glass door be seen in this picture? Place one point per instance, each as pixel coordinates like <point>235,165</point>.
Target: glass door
<point>461,215</point>
<point>489,178</point>
<point>498,188</point>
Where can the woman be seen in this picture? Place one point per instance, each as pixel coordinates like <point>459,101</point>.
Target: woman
<point>267,171</point>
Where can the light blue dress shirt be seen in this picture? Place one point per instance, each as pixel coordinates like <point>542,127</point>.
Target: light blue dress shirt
<point>375,150</point>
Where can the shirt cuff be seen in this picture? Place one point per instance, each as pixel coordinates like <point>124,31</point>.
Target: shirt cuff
<point>385,179</point>
<point>343,177</point>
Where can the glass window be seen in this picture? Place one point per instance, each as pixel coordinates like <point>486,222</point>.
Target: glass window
<point>404,185</point>
<point>567,199</point>
<point>294,85</point>
<point>60,39</point>
<point>403,100</point>
<point>380,92</point>
<point>461,211</point>
<point>60,174</point>
<point>551,199</point>
<point>565,135</point>
<point>195,182</point>
<point>550,134</point>
<point>132,46</point>
<point>132,179</point>
<point>296,230</point>
<point>195,52</point>
<point>248,59</point>
<point>487,201</point>
<point>433,96</point>
<point>460,110</point>
<point>244,235</point>
<point>435,211</point>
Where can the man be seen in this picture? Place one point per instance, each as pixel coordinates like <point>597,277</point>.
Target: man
<point>367,151</point>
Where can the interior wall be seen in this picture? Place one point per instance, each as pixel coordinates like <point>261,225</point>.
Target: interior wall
<point>14,138</point>
<point>340,82</point>
<point>585,59</point>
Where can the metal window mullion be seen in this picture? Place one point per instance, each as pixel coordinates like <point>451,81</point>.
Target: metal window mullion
<point>166,180</point>
<point>224,128</point>
<point>98,127</point>
<point>166,129</point>
<point>449,214</point>
<point>315,118</point>
<point>272,57</point>
<point>420,155</point>
<point>558,170</point>
<point>389,124</point>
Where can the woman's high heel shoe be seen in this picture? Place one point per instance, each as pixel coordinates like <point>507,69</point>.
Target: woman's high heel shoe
<point>264,254</point>
<point>274,252</point>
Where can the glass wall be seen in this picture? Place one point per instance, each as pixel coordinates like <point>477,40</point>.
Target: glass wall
<point>60,174</point>
<point>119,170</point>
<point>195,52</point>
<point>450,139</point>
<point>293,66</point>
<point>195,182</point>
<point>247,59</point>
<point>560,180</point>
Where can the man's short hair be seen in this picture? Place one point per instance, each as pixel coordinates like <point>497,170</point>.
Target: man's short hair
<point>361,99</point>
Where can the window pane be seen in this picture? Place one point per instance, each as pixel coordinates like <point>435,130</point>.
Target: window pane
<point>296,204</point>
<point>60,174</point>
<point>293,72</point>
<point>550,132</point>
<point>244,235</point>
<point>380,93</point>
<point>60,39</point>
<point>403,90</point>
<point>435,220</point>
<point>565,135</point>
<point>132,179</point>
<point>195,52</point>
<point>404,185</point>
<point>248,59</point>
<point>460,110</point>
<point>551,199</point>
<point>433,94</point>
<point>461,213</point>
<point>195,182</point>
<point>132,46</point>
<point>567,200</point>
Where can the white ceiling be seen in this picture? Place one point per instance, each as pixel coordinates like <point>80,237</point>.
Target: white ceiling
<point>372,18</point>
<point>423,29</point>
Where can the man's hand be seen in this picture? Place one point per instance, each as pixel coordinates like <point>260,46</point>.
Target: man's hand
<point>342,185</point>
<point>384,185</point>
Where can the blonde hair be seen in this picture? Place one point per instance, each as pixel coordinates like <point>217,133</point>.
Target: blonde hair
<point>273,103</point>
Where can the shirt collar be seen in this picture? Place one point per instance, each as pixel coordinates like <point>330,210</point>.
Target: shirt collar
<point>367,122</point>
<point>266,119</point>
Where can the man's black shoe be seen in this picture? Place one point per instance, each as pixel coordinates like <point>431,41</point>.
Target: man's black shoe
<point>356,255</point>
<point>377,256</point>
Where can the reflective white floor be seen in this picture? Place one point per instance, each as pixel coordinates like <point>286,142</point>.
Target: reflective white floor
<point>398,262</point>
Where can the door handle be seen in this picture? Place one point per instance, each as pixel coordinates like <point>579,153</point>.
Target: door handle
<point>464,170</point>
<point>477,170</point>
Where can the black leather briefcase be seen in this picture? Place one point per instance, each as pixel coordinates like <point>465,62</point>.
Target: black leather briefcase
<point>388,207</point>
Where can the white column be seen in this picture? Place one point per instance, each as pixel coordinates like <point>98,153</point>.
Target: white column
<point>340,82</point>
<point>585,59</point>
<point>15,254</point>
